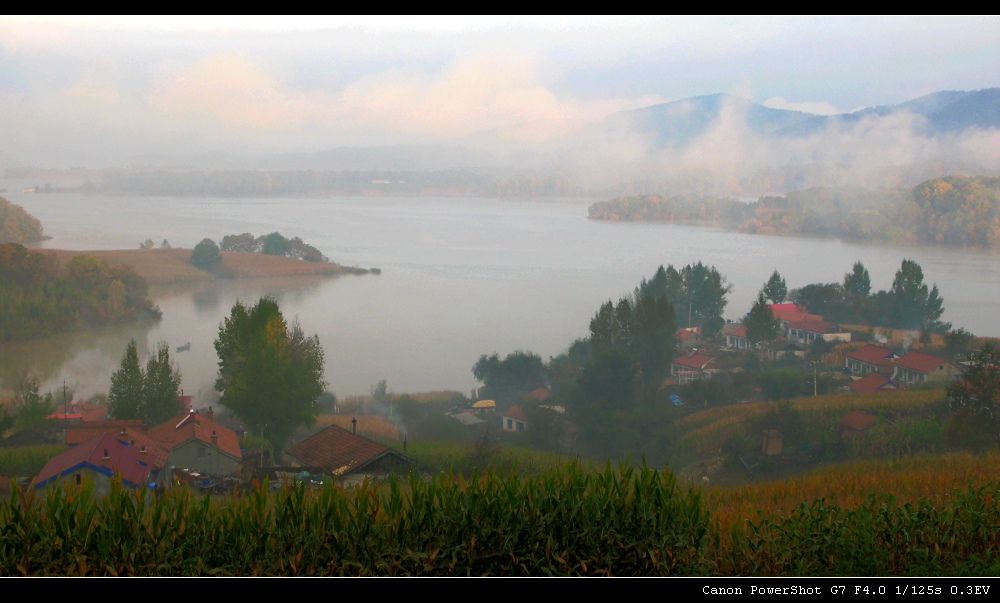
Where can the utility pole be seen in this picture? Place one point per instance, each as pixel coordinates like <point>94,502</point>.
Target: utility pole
<point>815,388</point>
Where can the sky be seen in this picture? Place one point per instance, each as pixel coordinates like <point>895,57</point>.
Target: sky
<point>100,91</point>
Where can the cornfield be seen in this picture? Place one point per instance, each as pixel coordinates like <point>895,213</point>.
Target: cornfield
<point>624,521</point>
<point>921,516</point>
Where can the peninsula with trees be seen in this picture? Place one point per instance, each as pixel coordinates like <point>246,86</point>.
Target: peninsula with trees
<point>952,210</point>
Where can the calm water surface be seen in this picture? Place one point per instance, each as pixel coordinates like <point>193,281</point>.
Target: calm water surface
<point>460,277</point>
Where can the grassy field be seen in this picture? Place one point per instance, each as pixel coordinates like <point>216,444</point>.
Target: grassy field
<point>704,432</point>
<point>173,266</point>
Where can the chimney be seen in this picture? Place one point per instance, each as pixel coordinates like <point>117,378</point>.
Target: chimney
<point>215,438</point>
<point>142,452</point>
<point>210,414</point>
<point>107,457</point>
<point>354,425</point>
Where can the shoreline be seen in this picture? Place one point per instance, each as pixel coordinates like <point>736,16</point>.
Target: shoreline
<point>173,266</point>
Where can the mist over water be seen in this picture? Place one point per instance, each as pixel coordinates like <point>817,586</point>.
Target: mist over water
<point>460,277</point>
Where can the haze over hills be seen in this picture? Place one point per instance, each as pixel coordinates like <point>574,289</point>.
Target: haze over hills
<point>673,126</point>
<point>719,144</point>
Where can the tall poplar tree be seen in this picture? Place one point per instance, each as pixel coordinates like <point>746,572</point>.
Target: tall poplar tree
<point>161,386</point>
<point>125,398</point>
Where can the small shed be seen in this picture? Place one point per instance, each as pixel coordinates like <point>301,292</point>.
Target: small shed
<point>856,424</point>
<point>770,442</point>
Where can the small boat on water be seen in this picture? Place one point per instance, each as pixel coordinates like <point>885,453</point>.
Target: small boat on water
<point>184,348</point>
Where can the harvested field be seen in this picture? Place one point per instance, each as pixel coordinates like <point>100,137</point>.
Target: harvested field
<point>172,266</point>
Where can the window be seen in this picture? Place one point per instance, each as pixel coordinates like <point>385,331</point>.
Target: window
<point>201,453</point>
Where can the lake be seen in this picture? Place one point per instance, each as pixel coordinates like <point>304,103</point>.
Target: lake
<point>460,277</point>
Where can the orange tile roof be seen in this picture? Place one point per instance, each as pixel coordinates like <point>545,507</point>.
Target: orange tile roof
<point>338,450</point>
<point>90,412</point>
<point>538,394</point>
<point>515,412</point>
<point>872,382</point>
<point>921,362</point>
<point>695,361</point>
<point>740,331</point>
<point>858,419</point>
<point>813,325</point>
<point>792,312</point>
<point>873,354</point>
<point>85,431</point>
<point>193,426</point>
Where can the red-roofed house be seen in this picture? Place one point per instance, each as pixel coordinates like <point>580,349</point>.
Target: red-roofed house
<point>737,338</point>
<point>689,336</point>
<point>692,366</point>
<point>872,382</point>
<point>870,359</point>
<point>347,456</point>
<point>917,367</point>
<point>99,459</point>
<point>514,419</point>
<point>539,394</point>
<point>198,443</point>
<point>856,424</point>
<point>83,432</point>
<point>786,313</point>
<point>89,412</point>
<point>809,330</point>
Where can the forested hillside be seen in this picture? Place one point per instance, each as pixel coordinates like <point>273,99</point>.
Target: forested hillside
<point>955,210</point>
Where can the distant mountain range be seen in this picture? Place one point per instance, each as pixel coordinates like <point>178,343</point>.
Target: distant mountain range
<point>662,127</point>
<point>679,122</point>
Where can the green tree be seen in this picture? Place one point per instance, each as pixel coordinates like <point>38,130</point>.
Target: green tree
<point>270,373</point>
<point>505,380</point>
<point>125,398</point>
<point>275,244</point>
<point>161,385</point>
<point>912,305</point>
<point>760,322</point>
<point>857,281</point>
<point>975,399</point>
<point>31,408</point>
<point>206,255</point>
<point>697,293</point>
<point>775,289</point>
<point>706,292</point>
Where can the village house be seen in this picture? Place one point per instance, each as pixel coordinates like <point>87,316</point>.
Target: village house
<point>856,424</point>
<point>514,419</point>
<point>348,457</point>
<point>917,367</point>
<point>99,460</point>
<point>538,395</point>
<point>809,330</point>
<point>788,313</point>
<point>870,359</point>
<point>870,383</point>
<point>198,443</point>
<point>483,407</point>
<point>737,338</point>
<point>692,367</point>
